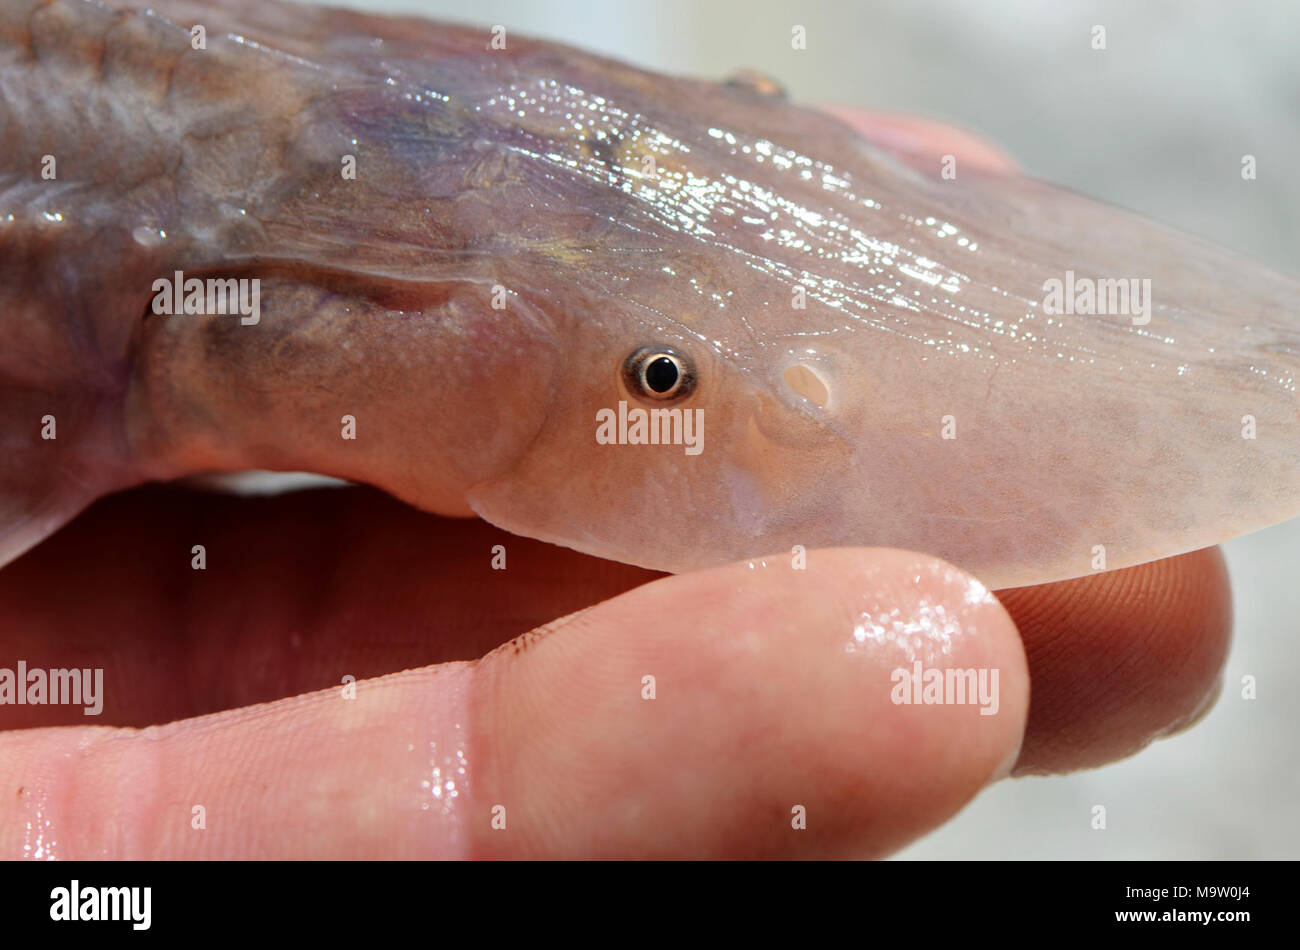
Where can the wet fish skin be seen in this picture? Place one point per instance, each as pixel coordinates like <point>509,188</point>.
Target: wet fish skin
<point>527,169</point>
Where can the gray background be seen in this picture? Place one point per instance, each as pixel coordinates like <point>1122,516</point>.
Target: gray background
<point>1157,122</point>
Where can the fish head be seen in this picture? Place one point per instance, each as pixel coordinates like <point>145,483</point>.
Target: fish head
<point>852,349</point>
<point>870,353</point>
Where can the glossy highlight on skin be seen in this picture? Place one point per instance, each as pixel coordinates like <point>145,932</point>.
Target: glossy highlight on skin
<point>39,843</point>
<point>843,311</point>
<point>925,633</point>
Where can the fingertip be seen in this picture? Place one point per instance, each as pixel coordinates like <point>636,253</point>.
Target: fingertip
<point>927,141</point>
<point>755,710</point>
<point>1121,658</point>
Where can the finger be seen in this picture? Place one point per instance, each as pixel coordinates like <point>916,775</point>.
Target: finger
<point>923,142</point>
<point>1120,658</point>
<point>348,582</point>
<point>295,592</point>
<point>772,693</point>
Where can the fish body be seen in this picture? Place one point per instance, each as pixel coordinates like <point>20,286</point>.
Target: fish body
<point>463,261</point>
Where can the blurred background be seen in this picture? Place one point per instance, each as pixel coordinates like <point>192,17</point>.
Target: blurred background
<point>1158,122</point>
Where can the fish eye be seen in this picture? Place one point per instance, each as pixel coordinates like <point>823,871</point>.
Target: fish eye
<point>658,373</point>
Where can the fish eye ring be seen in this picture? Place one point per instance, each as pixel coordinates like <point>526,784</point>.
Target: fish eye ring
<point>659,374</point>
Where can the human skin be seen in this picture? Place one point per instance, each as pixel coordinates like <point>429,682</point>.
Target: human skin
<point>759,706</point>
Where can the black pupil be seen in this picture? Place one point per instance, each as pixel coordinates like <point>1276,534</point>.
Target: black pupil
<point>661,374</point>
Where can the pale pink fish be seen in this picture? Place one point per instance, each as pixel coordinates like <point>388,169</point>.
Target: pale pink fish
<point>869,346</point>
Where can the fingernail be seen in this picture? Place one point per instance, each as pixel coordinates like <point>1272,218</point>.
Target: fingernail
<point>895,139</point>
<point>1005,767</point>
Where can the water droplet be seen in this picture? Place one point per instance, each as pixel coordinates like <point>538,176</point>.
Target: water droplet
<point>146,236</point>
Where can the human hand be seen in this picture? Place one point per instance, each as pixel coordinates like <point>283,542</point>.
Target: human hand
<point>764,697</point>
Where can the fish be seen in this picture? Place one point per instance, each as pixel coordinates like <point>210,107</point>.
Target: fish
<point>666,321</point>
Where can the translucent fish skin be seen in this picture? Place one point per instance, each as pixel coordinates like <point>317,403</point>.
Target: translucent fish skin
<point>1079,440</point>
